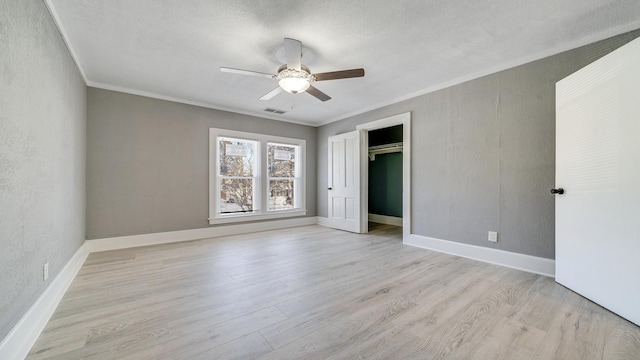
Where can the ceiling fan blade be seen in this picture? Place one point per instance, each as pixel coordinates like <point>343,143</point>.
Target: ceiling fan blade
<point>246,72</point>
<point>293,53</point>
<point>343,74</point>
<point>318,94</point>
<point>271,93</point>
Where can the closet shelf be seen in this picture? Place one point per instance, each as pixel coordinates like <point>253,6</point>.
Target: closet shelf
<point>384,149</point>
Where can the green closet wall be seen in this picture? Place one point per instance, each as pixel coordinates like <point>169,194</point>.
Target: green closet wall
<point>385,174</point>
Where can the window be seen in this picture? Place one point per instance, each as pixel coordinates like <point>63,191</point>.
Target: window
<point>237,174</point>
<point>283,176</point>
<point>254,176</point>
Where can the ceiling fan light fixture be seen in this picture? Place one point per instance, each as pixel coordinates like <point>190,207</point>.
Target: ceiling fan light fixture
<point>294,85</point>
<point>294,81</point>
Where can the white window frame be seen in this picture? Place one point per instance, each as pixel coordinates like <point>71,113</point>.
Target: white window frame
<point>261,200</point>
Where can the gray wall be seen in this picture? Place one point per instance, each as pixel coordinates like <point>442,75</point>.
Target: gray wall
<point>483,154</point>
<point>147,162</point>
<point>42,156</point>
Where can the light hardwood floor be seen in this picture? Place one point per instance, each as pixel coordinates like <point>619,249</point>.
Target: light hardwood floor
<point>316,293</point>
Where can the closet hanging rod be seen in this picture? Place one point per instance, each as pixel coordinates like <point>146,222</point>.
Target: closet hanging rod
<point>384,149</point>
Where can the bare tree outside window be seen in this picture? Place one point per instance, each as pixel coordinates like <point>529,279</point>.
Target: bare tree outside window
<point>282,160</point>
<point>237,174</point>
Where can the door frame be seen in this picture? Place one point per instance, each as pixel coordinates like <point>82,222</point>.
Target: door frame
<point>400,119</point>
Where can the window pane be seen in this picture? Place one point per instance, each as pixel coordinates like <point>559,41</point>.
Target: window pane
<point>236,195</point>
<point>282,160</point>
<point>281,194</point>
<point>237,157</point>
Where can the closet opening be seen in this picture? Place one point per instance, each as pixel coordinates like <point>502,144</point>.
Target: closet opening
<point>385,182</point>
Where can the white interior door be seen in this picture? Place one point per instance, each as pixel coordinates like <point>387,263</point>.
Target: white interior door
<point>344,181</point>
<point>598,166</point>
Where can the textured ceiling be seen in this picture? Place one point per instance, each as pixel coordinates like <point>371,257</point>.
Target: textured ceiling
<point>173,49</point>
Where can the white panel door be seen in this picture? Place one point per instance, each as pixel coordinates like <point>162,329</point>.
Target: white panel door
<point>598,166</point>
<point>344,181</point>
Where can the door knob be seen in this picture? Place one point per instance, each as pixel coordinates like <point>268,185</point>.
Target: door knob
<point>558,191</point>
<point>329,189</point>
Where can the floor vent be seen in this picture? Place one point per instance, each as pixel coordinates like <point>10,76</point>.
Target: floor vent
<point>275,111</point>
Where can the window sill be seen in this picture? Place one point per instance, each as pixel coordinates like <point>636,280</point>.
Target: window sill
<point>227,219</point>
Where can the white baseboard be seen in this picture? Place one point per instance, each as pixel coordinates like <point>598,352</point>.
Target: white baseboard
<point>124,242</point>
<point>18,343</point>
<point>384,219</point>
<point>322,221</point>
<point>533,264</point>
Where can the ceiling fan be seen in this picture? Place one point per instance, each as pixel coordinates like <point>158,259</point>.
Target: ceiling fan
<point>293,77</point>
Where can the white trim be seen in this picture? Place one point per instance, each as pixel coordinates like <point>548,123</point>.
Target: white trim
<point>495,69</point>
<point>533,264</point>
<point>22,337</point>
<point>385,122</point>
<point>256,217</point>
<point>152,95</point>
<point>384,219</point>
<point>63,34</point>
<point>403,119</point>
<point>510,64</point>
<point>323,221</point>
<point>125,242</point>
<point>18,343</point>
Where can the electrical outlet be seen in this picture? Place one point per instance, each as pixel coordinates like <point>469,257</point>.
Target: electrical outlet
<point>45,272</point>
<point>493,236</point>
